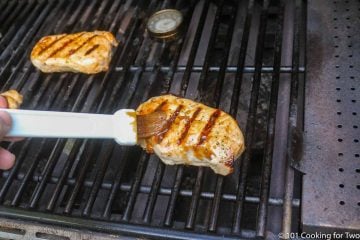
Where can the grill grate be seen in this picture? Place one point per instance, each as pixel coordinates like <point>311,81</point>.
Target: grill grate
<point>240,56</point>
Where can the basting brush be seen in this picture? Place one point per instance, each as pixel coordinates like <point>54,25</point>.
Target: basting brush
<point>124,125</point>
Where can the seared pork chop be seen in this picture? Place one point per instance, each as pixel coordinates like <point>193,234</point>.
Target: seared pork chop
<point>195,134</point>
<point>86,52</point>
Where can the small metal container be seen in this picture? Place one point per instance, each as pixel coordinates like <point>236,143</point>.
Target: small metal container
<point>165,24</point>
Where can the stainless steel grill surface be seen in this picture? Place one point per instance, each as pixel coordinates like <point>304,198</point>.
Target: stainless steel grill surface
<point>245,57</point>
<point>331,185</point>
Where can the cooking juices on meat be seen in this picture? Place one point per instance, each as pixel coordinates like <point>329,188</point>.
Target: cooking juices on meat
<point>194,134</point>
<point>86,52</point>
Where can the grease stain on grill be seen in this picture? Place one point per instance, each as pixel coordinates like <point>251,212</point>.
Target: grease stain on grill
<point>16,231</point>
<point>49,236</point>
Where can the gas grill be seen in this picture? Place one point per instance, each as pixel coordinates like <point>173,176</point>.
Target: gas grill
<point>247,58</point>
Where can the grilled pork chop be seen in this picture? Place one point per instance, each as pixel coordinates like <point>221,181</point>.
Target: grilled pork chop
<point>195,134</point>
<point>14,98</point>
<point>86,52</point>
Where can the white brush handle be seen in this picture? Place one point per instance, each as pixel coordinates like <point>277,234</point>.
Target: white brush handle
<point>28,123</point>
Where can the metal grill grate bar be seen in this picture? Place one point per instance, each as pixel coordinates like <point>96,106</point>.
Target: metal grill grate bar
<point>7,8</point>
<point>107,149</point>
<point>114,188</point>
<point>135,187</point>
<point>46,173</point>
<point>162,190</point>
<point>188,53</point>
<point>20,40</point>
<point>89,150</point>
<point>197,83</point>
<point>268,151</point>
<point>50,164</point>
<point>104,164</point>
<point>6,20</point>
<point>29,172</point>
<point>296,111</point>
<point>228,69</point>
<point>76,152</point>
<point>153,193</point>
<point>221,103</point>
<point>279,166</point>
<point>12,174</point>
<point>250,122</point>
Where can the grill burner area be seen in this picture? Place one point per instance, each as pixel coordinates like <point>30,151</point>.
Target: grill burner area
<point>245,57</point>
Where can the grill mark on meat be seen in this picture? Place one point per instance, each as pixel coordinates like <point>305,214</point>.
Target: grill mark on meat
<point>161,105</point>
<point>64,45</point>
<point>50,45</point>
<point>209,125</point>
<point>188,125</point>
<point>92,49</point>
<point>72,51</point>
<point>168,124</point>
<point>158,108</point>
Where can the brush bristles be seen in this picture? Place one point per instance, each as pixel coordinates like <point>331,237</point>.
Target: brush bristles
<point>150,124</point>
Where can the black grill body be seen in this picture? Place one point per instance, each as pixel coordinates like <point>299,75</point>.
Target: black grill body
<point>245,57</point>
